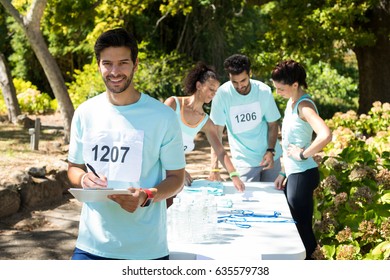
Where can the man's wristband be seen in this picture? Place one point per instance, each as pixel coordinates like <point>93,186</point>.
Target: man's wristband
<point>215,170</point>
<point>234,174</point>
<point>149,197</point>
<point>283,174</point>
<point>302,157</point>
<point>271,150</point>
<point>82,180</point>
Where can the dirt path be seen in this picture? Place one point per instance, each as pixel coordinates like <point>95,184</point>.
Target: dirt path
<point>50,233</point>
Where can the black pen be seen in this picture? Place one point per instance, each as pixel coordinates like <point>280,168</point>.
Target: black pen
<point>93,170</point>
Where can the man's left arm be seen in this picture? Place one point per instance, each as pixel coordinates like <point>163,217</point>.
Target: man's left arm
<point>268,158</point>
<point>273,130</point>
<point>170,186</point>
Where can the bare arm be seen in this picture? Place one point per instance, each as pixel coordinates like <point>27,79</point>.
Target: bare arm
<point>214,156</point>
<point>170,102</point>
<point>78,176</point>
<point>75,173</point>
<point>273,130</point>
<point>171,185</point>
<point>323,134</point>
<point>219,153</point>
<point>215,140</point>
<point>268,158</point>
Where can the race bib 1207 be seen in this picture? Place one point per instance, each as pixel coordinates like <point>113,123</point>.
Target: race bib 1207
<point>117,155</point>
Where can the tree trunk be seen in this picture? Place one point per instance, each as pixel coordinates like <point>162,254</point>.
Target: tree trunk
<point>53,74</point>
<point>31,27</point>
<point>374,62</point>
<point>8,89</point>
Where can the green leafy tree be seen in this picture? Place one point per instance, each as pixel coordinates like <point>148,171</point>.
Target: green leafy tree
<point>211,30</point>
<point>161,75</point>
<point>325,31</point>
<point>30,23</point>
<point>66,25</point>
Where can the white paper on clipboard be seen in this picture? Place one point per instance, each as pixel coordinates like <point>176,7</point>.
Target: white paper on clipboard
<point>85,195</point>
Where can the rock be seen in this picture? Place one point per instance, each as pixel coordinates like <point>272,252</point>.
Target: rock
<point>62,178</point>
<point>19,177</point>
<point>40,192</point>
<point>39,172</point>
<point>10,202</point>
<point>34,187</point>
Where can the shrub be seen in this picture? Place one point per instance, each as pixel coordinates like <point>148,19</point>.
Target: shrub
<point>31,100</point>
<point>332,91</point>
<point>87,83</point>
<point>352,216</point>
<point>3,107</point>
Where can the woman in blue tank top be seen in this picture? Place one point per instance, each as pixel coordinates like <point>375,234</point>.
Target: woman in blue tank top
<point>200,86</point>
<point>300,175</point>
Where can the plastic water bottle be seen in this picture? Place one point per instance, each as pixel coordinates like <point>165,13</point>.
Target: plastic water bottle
<point>184,223</point>
<point>196,217</point>
<point>180,225</point>
<point>205,205</point>
<point>212,217</point>
<point>174,220</point>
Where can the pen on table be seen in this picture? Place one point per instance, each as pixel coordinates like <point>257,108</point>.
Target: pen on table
<point>93,170</point>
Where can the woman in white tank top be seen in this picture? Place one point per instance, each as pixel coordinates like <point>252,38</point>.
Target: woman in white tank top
<point>200,86</point>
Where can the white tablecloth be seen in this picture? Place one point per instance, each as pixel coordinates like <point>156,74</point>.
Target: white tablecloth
<point>263,240</point>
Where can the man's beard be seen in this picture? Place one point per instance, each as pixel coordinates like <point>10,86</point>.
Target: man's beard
<point>115,89</point>
<point>244,90</point>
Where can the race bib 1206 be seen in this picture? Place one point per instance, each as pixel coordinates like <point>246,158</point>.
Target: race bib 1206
<point>245,117</point>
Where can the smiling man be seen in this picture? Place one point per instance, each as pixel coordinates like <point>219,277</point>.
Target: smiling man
<point>133,142</point>
<point>248,110</point>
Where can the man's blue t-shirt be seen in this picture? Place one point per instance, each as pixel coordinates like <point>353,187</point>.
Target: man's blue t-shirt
<point>131,145</point>
<point>246,117</point>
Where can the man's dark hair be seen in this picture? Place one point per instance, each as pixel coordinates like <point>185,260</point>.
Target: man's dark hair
<point>118,37</point>
<point>236,64</point>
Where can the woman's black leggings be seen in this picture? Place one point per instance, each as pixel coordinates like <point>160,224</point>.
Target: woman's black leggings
<point>299,192</point>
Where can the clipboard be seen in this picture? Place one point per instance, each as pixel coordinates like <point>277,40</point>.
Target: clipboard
<point>95,195</point>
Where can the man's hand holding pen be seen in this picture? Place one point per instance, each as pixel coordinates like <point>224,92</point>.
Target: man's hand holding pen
<point>93,180</point>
